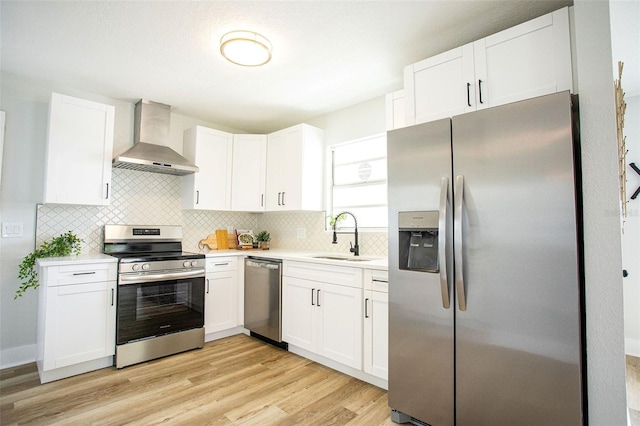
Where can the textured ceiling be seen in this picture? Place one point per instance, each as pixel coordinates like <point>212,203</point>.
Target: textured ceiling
<point>327,55</point>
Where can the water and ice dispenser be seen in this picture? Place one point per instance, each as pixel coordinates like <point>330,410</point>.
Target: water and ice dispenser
<point>418,241</point>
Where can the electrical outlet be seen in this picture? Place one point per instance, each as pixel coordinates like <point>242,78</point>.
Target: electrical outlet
<point>301,233</point>
<point>12,230</point>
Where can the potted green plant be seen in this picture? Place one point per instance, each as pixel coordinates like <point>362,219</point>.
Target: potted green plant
<point>263,239</point>
<point>62,245</point>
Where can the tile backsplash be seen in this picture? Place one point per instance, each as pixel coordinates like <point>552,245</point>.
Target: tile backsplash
<point>154,199</point>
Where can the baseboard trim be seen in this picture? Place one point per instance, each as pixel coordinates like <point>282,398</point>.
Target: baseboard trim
<point>632,347</point>
<point>21,355</point>
<point>358,374</point>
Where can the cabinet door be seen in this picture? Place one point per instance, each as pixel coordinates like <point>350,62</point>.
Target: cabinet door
<point>284,169</point>
<point>299,311</point>
<point>395,110</point>
<point>529,60</point>
<point>295,168</point>
<point>79,151</point>
<point>249,173</point>
<point>440,86</point>
<point>220,311</point>
<point>376,333</point>
<point>340,324</point>
<point>212,151</point>
<point>80,323</point>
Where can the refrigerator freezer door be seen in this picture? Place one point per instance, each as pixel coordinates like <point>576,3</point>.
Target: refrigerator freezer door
<point>420,326</point>
<point>518,351</point>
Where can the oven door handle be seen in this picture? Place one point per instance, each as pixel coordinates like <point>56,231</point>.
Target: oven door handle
<point>164,276</point>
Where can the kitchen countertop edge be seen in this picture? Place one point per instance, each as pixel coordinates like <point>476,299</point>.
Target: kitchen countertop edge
<point>379,264</point>
<point>83,258</point>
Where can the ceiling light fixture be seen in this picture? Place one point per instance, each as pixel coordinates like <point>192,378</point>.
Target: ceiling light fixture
<point>246,48</point>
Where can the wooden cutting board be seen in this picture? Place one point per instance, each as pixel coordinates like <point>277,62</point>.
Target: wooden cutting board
<point>221,240</point>
<point>210,241</point>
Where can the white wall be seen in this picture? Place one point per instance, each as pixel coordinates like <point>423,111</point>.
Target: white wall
<point>631,236</point>
<point>603,264</point>
<point>358,121</point>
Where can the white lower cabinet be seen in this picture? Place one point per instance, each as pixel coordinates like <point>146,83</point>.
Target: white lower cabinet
<point>376,324</point>
<point>221,294</point>
<point>76,316</point>
<point>322,310</point>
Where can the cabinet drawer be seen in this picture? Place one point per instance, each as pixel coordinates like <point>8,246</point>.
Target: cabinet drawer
<point>80,273</point>
<point>376,280</point>
<point>218,264</point>
<point>340,275</point>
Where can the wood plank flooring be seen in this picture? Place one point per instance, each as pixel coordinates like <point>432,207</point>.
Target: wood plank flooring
<point>234,381</point>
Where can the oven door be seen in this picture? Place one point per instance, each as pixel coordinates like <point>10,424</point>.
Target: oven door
<point>156,308</point>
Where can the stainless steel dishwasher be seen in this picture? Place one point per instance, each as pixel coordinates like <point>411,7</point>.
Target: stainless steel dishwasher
<point>263,299</point>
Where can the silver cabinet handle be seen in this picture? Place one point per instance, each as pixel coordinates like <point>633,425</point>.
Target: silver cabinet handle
<point>480,90</point>
<point>366,310</point>
<point>262,200</point>
<point>279,198</point>
<point>112,296</point>
<point>312,291</point>
<point>442,241</point>
<point>84,273</point>
<point>197,197</point>
<point>458,238</point>
<point>207,285</point>
<point>107,196</point>
<point>283,198</point>
<point>318,297</point>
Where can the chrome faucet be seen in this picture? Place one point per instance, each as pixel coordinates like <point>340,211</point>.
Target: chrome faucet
<point>355,249</point>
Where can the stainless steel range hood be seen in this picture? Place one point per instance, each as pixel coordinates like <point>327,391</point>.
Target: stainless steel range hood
<point>150,151</point>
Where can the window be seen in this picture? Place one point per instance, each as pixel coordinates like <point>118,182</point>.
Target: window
<point>359,181</point>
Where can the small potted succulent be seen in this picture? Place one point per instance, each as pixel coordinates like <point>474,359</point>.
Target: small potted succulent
<point>263,239</point>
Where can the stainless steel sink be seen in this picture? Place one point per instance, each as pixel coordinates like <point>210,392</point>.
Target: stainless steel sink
<point>346,258</point>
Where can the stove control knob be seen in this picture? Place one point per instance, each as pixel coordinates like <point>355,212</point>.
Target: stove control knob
<point>145,267</point>
<point>186,263</point>
<point>135,267</point>
<point>194,263</point>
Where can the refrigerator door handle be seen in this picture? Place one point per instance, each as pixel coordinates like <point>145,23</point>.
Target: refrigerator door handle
<point>458,261</point>
<point>442,240</point>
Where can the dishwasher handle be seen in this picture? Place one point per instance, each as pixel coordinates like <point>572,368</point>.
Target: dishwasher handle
<point>258,264</point>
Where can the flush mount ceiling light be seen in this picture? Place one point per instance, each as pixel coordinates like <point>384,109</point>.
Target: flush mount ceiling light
<point>245,48</point>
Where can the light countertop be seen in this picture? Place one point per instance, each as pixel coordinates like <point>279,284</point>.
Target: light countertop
<point>372,262</point>
<point>75,260</point>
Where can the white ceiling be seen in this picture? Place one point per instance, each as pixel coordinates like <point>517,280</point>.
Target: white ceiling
<point>327,55</point>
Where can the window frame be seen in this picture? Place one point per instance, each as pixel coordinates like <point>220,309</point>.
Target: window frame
<point>329,205</point>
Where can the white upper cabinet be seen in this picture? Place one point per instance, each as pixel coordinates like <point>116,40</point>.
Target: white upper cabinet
<point>79,151</point>
<point>528,60</point>
<point>212,151</point>
<point>395,110</point>
<point>295,169</point>
<point>437,87</point>
<point>249,173</point>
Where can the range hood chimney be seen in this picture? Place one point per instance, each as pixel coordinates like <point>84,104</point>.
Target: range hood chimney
<point>150,152</point>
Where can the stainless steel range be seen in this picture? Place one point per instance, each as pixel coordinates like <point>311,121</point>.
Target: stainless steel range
<point>160,303</point>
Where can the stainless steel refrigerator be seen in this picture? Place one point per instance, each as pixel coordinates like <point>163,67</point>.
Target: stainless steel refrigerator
<point>485,288</point>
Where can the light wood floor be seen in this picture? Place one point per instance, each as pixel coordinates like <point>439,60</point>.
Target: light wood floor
<point>233,381</point>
